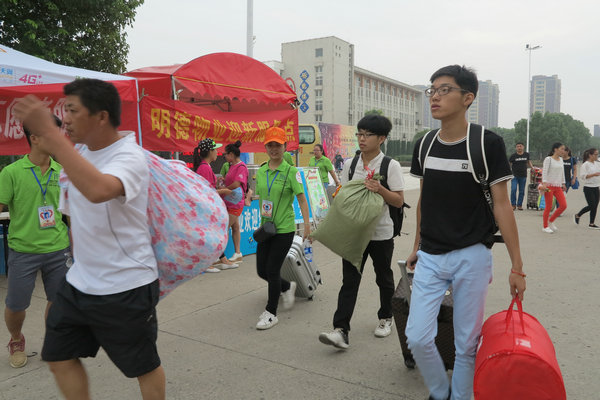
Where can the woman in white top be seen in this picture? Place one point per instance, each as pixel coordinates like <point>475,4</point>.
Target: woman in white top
<point>553,185</point>
<point>590,175</point>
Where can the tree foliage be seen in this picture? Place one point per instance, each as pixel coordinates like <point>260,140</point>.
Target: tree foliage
<point>374,111</point>
<point>84,33</point>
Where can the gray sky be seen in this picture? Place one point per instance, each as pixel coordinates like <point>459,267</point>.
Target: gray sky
<point>406,40</point>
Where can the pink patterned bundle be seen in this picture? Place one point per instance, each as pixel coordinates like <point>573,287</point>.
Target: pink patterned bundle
<point>187,219</point>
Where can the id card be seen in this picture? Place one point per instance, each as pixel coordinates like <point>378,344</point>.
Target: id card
<point>266,210</point>
<point>46,216</point>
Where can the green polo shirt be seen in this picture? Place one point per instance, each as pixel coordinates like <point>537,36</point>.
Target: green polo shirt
<point>324,166</point>
<point>224,169</point>
<point>21,192</point>
<point>276,180</point>
<point>287,157</point>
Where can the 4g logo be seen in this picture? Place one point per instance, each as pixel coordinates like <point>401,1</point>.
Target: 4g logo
<point>29,79</point>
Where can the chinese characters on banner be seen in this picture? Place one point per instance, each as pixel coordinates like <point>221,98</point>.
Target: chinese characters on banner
<point>170,125</point>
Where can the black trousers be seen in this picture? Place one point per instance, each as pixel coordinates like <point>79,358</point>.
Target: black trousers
<point>592,196</point>
<point>381,254</point>
<point>270,255</point>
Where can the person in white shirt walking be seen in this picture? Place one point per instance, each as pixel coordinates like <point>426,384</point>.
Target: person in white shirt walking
<point>590,175</point>
<point>553,186</point>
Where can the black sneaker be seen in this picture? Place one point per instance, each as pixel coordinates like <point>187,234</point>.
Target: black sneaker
<point>337,338</point>
<point>593,226</point>
<point>576,219</point>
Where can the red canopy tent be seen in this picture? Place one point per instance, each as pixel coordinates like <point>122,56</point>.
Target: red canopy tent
<point>224,96</point>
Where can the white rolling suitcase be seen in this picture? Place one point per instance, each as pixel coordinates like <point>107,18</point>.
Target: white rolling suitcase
<point>296,268</point>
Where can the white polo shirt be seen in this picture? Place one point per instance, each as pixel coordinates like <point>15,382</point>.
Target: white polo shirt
<point>111,242</point>
<point>385,227</point>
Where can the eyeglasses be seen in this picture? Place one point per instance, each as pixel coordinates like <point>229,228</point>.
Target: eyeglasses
<point>364,135</point>
<point>442,90</point>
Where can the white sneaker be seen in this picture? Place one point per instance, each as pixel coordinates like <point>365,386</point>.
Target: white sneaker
<point>289,296</point>
<point>212,269</point>
<point>552,226</point>
<point>266,321</point>
<point>384,328</point>
<point>226,266</point>
<point>547,230</point>
<point>237,257</point>
<point>337,338</point>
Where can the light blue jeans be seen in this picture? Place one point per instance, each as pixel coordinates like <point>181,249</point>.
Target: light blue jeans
<point>469,271</point>
<point>519,182</point>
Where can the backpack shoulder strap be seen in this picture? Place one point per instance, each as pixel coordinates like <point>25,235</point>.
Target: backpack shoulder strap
<point>476,152</point>
<point>383,171</point>
<point>353,167</point>
<point>425,146</point>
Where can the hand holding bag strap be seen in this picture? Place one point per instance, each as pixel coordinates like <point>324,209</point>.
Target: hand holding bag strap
<point>509,313</point>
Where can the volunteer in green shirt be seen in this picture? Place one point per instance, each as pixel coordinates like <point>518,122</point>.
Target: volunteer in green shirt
<point>277,183</point>
<point>324,164</point>
<point>38,239</point>
<point>287,157</point>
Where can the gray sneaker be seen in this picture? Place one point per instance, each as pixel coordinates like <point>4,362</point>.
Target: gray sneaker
<point>337,338</point>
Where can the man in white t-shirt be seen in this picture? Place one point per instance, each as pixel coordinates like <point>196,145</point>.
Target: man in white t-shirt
<point>372,132</point>
<point>111,291</point>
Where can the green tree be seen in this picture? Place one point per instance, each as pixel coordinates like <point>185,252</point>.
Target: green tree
<point>85,33</point>
<point>374,111</point>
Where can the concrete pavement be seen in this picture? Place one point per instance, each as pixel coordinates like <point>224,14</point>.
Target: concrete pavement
<point>211,349</point>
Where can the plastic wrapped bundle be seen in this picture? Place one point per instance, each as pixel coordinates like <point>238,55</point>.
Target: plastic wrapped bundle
<point>351,221</point>
<point>187,220</point>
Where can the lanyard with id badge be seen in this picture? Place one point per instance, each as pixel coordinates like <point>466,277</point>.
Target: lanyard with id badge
<point>267,230</point>
<point>45,212</point>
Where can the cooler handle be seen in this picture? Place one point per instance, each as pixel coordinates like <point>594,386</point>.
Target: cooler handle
<point>509,313</point>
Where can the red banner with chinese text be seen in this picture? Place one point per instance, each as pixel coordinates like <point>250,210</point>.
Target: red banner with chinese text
<point>169,125</point>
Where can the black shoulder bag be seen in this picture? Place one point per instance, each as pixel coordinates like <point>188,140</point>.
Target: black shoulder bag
<point>267,230</point>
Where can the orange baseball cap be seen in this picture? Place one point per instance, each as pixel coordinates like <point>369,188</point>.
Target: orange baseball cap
<point>275,134</point>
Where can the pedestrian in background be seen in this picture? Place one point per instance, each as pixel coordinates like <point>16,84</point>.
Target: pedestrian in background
<point>519,161</point>
<point>590,175</point>
<point>204,154</point>
<point>277,183</point>
<point>570,165</point>
<point>320,161</point>
<point>38,239</point>
<point>553,186</point>
<point>235,180</point>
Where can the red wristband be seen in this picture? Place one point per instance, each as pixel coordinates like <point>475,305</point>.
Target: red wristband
<point>518,273</point>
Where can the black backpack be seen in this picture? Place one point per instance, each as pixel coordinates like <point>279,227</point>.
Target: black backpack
<point>477,159</point>
<point>396,213</point>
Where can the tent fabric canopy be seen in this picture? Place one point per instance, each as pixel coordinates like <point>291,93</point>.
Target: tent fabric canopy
<point>22,74</point>
<point>240,79</point>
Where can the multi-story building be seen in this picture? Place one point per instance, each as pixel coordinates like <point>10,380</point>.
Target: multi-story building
<point>545,94</point>
<point>428,121</point>
<point>596,130</point>
<point>332,89</point>
<point>484,109</point>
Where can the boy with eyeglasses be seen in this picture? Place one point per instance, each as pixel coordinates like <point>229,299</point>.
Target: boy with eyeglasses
<point>372,132</point>
<point>452,242</point>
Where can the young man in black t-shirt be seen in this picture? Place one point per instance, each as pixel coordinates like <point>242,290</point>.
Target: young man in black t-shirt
<point>519,161</point>
<point>454,235</point>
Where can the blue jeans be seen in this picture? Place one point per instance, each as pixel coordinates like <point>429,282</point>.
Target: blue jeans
<point>517,180</point>
<point>469,270</point>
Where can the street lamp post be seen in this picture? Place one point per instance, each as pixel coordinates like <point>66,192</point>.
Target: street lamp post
<point>529,48</point>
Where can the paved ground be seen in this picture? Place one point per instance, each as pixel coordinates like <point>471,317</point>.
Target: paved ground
<point>211,350</point>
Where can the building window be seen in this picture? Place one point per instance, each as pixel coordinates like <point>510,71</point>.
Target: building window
<point>318,117</point>
<point>319,105</point>
<point>318,92</point>
<point>319,69</point>
<point>319,80</point>
<point>319,52</point>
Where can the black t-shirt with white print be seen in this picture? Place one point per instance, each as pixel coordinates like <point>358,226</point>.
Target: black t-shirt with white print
<point>454,213</point>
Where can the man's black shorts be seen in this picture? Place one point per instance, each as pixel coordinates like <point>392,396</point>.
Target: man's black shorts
<point>124,324</point>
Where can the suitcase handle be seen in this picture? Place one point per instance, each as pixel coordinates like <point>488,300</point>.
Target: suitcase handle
<point>510,310</point>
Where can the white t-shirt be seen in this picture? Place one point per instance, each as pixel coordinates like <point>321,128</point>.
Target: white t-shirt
<point>385,227</point>
<point>589,168</point>
<point>111,242</point>
<point>553,172</point>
